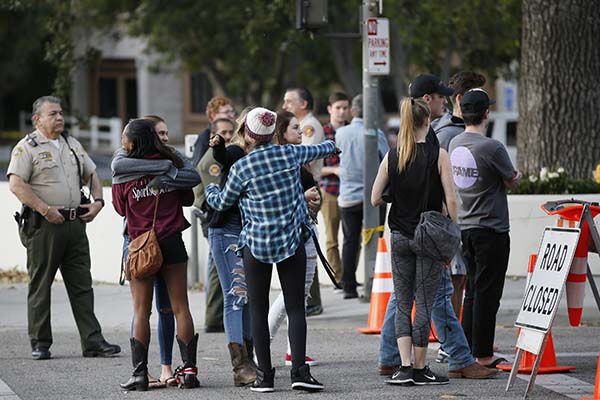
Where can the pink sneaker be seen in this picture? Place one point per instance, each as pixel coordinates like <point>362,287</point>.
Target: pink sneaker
<point>308,360</point>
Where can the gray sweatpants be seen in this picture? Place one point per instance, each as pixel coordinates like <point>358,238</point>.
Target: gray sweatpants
<point>415,279</point>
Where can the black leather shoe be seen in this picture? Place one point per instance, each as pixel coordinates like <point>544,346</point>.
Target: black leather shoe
<point>102,349</point>
<point>351,294</point>
<point>40,353</point>
<point>314,310</point>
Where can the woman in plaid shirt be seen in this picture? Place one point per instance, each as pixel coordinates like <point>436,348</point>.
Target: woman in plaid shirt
<point>274,215</point>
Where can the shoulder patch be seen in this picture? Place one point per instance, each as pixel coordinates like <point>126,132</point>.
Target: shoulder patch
<point>309,130</point>
<point>17,151</point>
<point>214,170</point>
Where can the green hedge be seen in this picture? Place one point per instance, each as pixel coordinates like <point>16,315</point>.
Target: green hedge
<point>554,182</point>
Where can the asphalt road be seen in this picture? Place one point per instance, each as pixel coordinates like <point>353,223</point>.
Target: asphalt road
<point>348,359</point>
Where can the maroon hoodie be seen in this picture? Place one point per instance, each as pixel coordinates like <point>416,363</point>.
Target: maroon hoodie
<point>135,201</point>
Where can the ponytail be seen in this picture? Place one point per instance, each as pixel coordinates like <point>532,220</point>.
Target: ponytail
<point>413,115</point>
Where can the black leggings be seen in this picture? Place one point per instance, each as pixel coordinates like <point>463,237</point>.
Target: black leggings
<point>292,272</point>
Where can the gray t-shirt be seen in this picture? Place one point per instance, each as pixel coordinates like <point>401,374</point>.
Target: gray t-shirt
<point>447,128</point>
<point>479,167</point>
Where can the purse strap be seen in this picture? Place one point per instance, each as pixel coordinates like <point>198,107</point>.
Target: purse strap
<point>155,209</point>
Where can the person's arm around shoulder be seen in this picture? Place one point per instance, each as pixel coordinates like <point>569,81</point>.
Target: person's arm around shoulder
<point>185,177</point>
<point>123,165</point>
<point>381,182</point>
<point>306,153</point>
<point>445,169</point>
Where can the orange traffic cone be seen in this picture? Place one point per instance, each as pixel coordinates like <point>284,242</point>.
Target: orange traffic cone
<point>432,333</point>
<point>381,290</point>
<point>577,277</point>
<point>597,387</point>
<point>548,364</point>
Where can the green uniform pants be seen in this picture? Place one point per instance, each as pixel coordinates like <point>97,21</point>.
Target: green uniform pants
<point>315,291</point>
<point>50,247</point>
<point>214,299</point>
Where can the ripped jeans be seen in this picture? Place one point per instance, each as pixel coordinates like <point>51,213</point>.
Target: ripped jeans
<point>277,312</point>
<point>236,310</point>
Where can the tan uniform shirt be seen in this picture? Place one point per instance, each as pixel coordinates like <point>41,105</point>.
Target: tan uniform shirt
<point>51,172</point>
<point>312,133</point>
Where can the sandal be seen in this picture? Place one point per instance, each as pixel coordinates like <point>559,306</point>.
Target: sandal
<point>154,383</point>
<point>170,381</point>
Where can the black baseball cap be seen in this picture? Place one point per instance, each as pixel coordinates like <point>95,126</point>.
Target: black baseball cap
<point>475,101</point>
<point>428,84</point>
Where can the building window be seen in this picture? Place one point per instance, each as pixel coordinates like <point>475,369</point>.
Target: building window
<point>200,92</point>
<point>197,91</point>
<point>114,89</point>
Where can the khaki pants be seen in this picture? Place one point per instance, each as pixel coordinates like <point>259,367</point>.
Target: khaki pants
<point>331,216</point>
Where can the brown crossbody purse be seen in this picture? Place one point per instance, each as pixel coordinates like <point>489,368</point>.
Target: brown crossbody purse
<point>144,256</point>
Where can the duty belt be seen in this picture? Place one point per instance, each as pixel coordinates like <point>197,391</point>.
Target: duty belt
<point>70,214</point>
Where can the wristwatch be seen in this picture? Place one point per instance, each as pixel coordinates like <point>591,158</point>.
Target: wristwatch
<point>99,201</point>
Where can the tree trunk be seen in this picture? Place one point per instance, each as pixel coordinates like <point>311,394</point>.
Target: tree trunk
<point>559,89</point>
<point>398,62</point>
<point>345,65</point>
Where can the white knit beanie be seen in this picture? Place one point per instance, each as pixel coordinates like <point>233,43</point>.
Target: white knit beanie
<point>260,124</point>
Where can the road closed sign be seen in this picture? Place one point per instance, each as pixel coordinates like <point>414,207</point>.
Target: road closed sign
<point>378,46</point>
<point>545,287</point>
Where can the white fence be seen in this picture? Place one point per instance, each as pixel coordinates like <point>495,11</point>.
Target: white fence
<point>527,223</point>
<point>103,133</point>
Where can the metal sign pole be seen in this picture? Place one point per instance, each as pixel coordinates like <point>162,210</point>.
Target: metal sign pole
<point>587,215</point>
<point>370,98</point>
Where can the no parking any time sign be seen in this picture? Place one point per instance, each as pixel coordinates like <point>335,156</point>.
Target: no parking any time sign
<point>378,46</point>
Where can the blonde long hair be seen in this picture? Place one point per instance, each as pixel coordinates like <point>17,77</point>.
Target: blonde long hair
<point>414,113</point>
<point>239,138</point>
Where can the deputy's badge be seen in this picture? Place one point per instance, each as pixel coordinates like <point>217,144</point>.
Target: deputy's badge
<point>308,131</point>
<point>45,156</point>
<point>214,170</point>
<point>17,151</point>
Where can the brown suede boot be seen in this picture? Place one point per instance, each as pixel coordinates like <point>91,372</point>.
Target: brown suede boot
<point>243,374</point>
<point>249,345</point>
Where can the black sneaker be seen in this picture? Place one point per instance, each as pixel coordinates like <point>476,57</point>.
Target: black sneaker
<point>303,380</point>
<point>403,376</point>
<point>426,376</point>
<point>265,381</point>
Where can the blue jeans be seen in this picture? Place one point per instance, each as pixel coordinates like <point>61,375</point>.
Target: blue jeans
<point>232,276</point>
<point>448,328</point>
<point>166,319</point>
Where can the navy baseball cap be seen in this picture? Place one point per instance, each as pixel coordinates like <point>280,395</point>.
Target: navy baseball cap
<point>428,84</point>
<point>475,101</point>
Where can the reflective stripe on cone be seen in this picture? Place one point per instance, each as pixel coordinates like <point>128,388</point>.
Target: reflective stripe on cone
<point>381,290</point>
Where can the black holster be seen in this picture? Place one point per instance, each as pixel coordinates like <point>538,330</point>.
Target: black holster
<point>27,220</point>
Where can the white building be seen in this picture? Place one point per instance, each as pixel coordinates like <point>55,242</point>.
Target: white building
<point>126,81</point>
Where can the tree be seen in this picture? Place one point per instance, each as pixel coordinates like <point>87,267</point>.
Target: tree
<point>251,52</point>
<point>558,87</point>
<point>24,72</point>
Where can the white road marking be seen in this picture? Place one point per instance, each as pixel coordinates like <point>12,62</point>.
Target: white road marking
<point>6,393</point>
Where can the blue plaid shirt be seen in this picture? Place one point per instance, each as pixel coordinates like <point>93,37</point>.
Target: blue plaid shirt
<point>267,184</point>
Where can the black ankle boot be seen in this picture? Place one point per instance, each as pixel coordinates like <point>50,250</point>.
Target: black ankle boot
<point>303,380</point>
<point>139,359</point>
<point>265,381</point>
<point>187,374</point>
